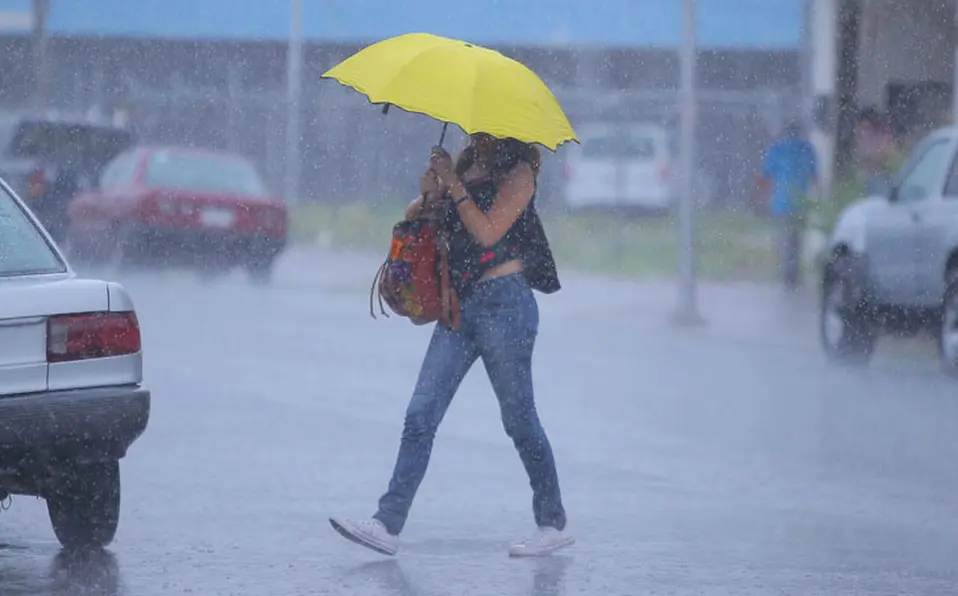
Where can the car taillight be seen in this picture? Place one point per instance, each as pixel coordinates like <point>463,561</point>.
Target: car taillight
<point>92,335</point>
<point>36,182</point>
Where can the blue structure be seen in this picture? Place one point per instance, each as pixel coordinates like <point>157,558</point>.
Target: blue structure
<point>722,24</point>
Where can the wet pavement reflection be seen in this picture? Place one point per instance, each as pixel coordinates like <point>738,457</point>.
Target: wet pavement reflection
<point>25,571</point>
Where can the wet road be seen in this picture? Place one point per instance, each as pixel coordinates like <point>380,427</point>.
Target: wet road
<point>690,465</point>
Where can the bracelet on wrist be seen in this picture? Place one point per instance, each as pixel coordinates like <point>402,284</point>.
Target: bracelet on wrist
<point>461,199</point>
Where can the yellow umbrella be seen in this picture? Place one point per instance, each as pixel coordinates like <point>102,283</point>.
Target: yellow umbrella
<point>453,81</point>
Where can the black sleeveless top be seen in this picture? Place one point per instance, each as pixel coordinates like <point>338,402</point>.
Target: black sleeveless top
<point>525,240</point>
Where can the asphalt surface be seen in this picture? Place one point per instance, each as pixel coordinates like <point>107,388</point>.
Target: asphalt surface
<point>691,462</point>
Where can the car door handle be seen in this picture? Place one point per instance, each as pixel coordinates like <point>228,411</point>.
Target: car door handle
<point>915,217</point>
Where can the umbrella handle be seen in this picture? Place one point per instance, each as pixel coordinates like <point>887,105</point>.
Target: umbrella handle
<point>442,136</point>
<point>445,125</point>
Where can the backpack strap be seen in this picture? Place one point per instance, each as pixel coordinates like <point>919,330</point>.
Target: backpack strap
<point>447,295</point>
<point>374,291</point>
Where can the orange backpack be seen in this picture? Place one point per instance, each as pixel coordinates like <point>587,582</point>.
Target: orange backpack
<point>414,279</point>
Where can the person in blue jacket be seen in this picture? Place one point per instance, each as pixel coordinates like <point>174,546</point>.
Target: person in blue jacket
<point>790,168</point>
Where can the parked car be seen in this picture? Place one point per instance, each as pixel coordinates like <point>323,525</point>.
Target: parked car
<point>891,264</point>
<point>71,395</point>
<point>627,167</point>
<point>179,206</point>
<point>48,160</point>
<point>619,165</point>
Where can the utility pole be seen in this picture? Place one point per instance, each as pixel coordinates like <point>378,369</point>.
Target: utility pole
<point>41,62</point>
<point>824,51</point>
<point>954,79</point>
<point>687,312</point>
<point>294,83</point>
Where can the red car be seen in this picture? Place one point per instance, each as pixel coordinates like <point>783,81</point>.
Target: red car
<point>179,206</point>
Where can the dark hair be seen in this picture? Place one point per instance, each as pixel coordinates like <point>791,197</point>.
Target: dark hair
<point>465,160</point>
<point>510,153</point>
<point>794,128</point>
<point>507,154</point>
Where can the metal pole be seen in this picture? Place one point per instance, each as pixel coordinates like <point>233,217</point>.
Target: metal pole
<point>41,62</point>
<point>823,38</point>
<point>234,84</point>
<point>294,79</point>
<point>954,78</point>
<point>688,303</point>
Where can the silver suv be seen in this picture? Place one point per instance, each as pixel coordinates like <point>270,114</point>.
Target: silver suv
<point>892,261</point>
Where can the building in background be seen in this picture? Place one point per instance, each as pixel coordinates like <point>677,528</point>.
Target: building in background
<point>895,55</point>
<point>212,72</point>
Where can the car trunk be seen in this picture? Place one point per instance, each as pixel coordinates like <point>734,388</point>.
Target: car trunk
<point>217,212</point>
<point>619,168</point>
<point>24,309</point>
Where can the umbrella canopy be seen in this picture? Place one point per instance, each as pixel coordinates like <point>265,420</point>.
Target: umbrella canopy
<point>474,87</point>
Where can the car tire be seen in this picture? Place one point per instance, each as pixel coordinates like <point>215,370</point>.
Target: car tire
<point>84,506</point>
<point>260,271</point>
<point>948,332</point>
<point>847,329</point>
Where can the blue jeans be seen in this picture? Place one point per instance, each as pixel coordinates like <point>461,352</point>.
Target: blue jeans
<point>790,229</point>
<point>500,320</point>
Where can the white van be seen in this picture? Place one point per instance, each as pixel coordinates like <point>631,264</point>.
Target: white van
<point>619,165</point>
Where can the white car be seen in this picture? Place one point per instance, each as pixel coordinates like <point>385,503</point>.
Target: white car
<point>891,264</point>
<point>71,395</point>
<point>619,166</point>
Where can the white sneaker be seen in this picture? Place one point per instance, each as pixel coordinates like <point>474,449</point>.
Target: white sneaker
<point>370,533</point>
<point>544,542</point>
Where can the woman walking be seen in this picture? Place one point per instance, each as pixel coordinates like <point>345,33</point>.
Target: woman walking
<point>498,255</point>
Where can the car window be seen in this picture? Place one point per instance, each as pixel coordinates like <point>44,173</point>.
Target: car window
<point>204,172</point>
<point>109,174</point>
<point>23,249</point>
<point>951,184</point>
<point>119,173</point>
<point>618,147</point>
<point>922,179</point>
